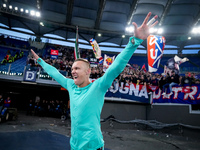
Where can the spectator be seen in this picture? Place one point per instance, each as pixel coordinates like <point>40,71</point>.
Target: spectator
<point>7,102</point>
<point>193,80</point>
<point>135,79</point>
<point>16,55</point>
<point>30,107</point>
<point>168,81</point>
<point>122,81</point>
<point>174,81</point>
<point>32,62</point>
<point>37,109</point>
<point>154,81</point>
<point>68,69</point>
<point>55,64</point>
<point>42,108</point>
<point>143,81</point>
<point>186,80</point>
<point>7,57</point>
<point>52,108</point>
<point>197,81</point>
<point>21,54</point>
<point>58,110</point>
<point>98,75</point>
<point>46,108</point>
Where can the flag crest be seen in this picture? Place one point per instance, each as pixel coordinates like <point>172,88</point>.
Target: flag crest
<point>155,49</point>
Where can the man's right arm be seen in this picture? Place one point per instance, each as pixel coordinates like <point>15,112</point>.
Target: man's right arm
<point>54,73</point>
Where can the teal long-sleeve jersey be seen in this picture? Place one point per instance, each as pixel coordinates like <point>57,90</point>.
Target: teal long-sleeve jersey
<point>86,103</point>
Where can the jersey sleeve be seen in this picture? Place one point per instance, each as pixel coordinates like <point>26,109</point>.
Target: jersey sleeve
<point>54,73</point>
<point>119,63</point>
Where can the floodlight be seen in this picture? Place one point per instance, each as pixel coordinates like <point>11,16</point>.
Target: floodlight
<point>129,29</point>
<point>160,31</point>
<point>32,12</point>
<point>37,14</point>
<point>153,30</point>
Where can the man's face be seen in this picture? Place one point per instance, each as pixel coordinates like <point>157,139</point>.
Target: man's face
<point>80,72</point>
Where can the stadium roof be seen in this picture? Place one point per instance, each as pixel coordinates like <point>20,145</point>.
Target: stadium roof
<point>108,17</point>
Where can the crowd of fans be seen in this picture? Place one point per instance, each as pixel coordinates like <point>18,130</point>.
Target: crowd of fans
<point>131,74</point>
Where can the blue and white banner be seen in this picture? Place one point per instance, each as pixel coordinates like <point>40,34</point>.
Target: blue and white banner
<point>30,76</point>
<point>139,93</point>
<point>183,95</point>
<point>130,92</point>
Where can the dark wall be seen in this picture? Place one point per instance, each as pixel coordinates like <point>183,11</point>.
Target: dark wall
<point>123,111</point>
<point>163,113</point>
<point>173,114</point>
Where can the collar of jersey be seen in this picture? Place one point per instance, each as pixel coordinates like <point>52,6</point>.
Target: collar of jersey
<point>83,88</point>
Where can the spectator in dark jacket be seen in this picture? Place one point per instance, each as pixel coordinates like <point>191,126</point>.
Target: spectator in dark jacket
<point>30,107</point>
<point>174,81</point>
<point>154,81</point>
<point>162,81</point>
<point>186,80</point>
<point>168,81</point>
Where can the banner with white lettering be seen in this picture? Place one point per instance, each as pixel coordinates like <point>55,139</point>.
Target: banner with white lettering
<point>130,91</point>
<point>141,93</point>
<point>183,95</point>
<point>54,54</point>
<point>30,76</point>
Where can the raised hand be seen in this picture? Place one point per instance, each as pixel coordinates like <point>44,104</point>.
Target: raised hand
<point>142,32</point>
<point>34,55</point>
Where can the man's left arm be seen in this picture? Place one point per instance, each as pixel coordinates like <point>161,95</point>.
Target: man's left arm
<point>120,62</point>
<point>140,34</point>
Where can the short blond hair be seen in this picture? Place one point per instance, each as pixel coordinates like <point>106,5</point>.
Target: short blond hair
<point>83,60</point>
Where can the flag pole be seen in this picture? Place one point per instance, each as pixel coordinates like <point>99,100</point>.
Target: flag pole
<point>76,48</point>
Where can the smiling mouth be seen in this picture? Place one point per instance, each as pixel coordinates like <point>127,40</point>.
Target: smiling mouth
<point>75,77</point>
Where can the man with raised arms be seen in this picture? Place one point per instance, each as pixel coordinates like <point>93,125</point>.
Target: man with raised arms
<point>86,98</point>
